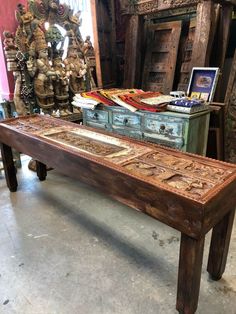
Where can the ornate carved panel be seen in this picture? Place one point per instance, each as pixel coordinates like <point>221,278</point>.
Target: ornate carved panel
<point>150,6</point>
<point>161,55</point>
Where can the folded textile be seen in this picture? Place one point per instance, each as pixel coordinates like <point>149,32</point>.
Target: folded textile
<point>131,99</point>
<point>116,97</point>
<point>135,100</point>
<point>97,96</point>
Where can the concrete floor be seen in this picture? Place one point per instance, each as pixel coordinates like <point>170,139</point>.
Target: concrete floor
<point>67,249</point>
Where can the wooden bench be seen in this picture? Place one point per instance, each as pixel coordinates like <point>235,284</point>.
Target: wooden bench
<point>190,193</point>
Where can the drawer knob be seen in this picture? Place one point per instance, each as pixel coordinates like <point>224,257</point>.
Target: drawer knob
<point>126,121</point>
<point>95,116</point>
<point>162,127</point>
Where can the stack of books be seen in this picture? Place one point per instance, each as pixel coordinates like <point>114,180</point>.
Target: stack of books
<point>186,105</point>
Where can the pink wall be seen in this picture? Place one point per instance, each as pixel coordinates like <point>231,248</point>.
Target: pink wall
<point>7,22</point>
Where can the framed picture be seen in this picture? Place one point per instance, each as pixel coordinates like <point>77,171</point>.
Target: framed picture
<point>203,83</point>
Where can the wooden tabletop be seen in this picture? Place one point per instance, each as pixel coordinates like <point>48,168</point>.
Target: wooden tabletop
<point>186,191</point>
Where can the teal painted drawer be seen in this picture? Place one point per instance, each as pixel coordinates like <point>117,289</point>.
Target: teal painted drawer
<point>165,126</point>
<point>96,116</point>
<point>104,126</point>
<point>127,132</point>
<point>127,120</point>
<point>163,140</point>
<point>168,131</point>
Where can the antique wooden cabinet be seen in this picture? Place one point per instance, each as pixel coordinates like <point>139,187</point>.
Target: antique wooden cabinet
<point>182,131</point>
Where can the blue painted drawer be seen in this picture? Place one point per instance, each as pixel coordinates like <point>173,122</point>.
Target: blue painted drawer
<point>96,116</point>
<point>162,140</point>
<point>127,132</point>
<point>127,120</point>
<point>104,126</point>
<point>164,130</point>
<point>165,126</point>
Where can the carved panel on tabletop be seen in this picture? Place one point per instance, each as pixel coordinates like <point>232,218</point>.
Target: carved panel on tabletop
<point>32,124</point>
<point>85,143</point>
<point>190,176</point>
<point>156,173</point>
<point>200,170</point>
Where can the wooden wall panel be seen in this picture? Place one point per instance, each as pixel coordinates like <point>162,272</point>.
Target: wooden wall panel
<point>230,120</point>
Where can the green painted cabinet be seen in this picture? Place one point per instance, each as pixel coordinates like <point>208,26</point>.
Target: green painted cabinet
<point>185,132</point>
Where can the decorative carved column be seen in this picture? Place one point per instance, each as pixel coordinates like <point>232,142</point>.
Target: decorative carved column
<point>94,7</point>
<point>230,119</point>
<point>133,51</point>
<point>204,34</point>
<point>220,47</point>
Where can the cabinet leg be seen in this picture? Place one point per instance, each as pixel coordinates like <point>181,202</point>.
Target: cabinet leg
<point>219,247</point>
<point>9,167</point>
<point>41,170</point>
<point>189,277</point>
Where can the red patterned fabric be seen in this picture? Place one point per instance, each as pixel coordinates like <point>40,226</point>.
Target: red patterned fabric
<point>135,100</point>
<point>97,96</point>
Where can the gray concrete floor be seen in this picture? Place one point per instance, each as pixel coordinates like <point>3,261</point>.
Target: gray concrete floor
<point>67,249</point>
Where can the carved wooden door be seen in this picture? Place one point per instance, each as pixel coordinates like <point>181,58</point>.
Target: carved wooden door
<point>161,55</point>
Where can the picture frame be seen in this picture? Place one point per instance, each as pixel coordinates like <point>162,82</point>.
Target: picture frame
<point>203,82</point>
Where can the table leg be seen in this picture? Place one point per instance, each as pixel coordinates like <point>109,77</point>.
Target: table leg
<point>219,247</point>
<point>9,167</point>
<point>41,170</point>
<point>189,277</point>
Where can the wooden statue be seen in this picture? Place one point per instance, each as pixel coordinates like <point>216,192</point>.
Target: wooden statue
<point>76,70</point>
<point>43,85</point>
<point>9,42</point>
<point>24,18</point>
<point>61,86</point>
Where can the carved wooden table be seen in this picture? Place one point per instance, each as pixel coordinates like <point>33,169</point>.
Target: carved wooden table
<point>190,193</point>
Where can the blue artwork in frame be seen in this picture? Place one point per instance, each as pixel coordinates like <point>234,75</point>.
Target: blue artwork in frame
<point>203,83</point>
